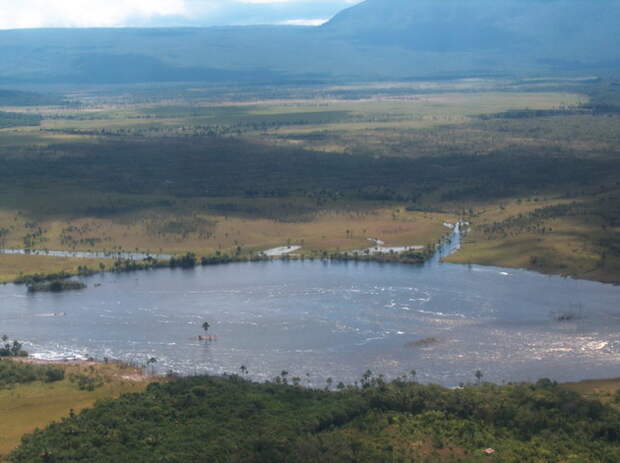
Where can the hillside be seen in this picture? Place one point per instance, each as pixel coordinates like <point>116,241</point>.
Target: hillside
<point>230,420</point>
<point>377,39</point>
<point>575,30</point>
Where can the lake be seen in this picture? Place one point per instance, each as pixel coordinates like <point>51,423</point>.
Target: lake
<point>318,319</point>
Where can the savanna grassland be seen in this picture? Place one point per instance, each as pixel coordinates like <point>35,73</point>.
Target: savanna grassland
<point>32,394</point>
<point>531,164</point>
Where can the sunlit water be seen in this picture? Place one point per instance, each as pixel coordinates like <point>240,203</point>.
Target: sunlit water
<point>319,320</point>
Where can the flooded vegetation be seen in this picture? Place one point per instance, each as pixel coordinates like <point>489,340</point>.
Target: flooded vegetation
<point>56,286</point>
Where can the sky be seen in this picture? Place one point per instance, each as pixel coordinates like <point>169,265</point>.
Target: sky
<point>19,14</point>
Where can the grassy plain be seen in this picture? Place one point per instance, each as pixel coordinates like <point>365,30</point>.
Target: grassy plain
<point>169,225</point>
<point>519,233</point>
<point>604,390</point>
<point>57,209</point>
<point>81,210</point>
<point>25,407</point>
<point>14,266</point>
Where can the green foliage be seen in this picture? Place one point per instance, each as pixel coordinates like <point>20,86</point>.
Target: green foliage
<point>223,167</point>
<point>56,286</point>
<point>230,419</point>
<point>11,349</point>
<point>12,373</point>
<point>86,382</point>
<point>41,278</point>
<point>186,261</point>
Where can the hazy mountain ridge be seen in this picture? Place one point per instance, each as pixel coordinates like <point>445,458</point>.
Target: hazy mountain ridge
<point>576,29</point>
<point>376,39</point>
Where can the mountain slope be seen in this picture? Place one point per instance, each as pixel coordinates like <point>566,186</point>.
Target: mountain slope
<point>376,39</point>
<point>560,29</point>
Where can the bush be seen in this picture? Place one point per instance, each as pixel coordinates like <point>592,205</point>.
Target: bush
<point>229,419</point>
<point>12,373</point>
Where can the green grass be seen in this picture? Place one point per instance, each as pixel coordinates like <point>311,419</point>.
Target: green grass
<point>25,407</point>
<point>14,266</point>
<point>605,390</point>
<point>556,236</point>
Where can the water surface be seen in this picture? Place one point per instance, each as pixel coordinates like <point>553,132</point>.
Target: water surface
<point>318,320</point>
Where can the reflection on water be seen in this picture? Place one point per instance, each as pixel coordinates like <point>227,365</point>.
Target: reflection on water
<point>319,320</point>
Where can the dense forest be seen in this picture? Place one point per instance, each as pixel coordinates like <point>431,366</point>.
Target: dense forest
<point>219,167</point>
<point>228,419</point>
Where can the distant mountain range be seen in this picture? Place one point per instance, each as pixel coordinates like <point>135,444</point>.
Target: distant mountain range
<point>376,39</point>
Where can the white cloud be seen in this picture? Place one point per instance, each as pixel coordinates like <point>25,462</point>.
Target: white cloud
<point>15,14</point>
<point>303,22</point>
<point>84,13</point>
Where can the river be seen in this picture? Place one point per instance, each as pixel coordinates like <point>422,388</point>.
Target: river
<point>319,319</point>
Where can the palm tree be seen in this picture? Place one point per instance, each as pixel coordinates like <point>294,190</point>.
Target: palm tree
<point>205,326</point>
<point>151,362</point>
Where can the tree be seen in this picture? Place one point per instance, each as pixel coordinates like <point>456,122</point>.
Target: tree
<point>206,326</point>
<point>479,375</point>
<point>13,349</point>
<point>151,363</point>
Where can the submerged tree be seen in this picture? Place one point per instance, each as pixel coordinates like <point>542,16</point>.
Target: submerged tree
<point>151,363</point>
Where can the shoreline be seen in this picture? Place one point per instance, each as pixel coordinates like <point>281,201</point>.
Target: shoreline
<point>67,361</point>
<point>538,270</point>
<point>379,258</point>
<point>585,386</point>
<point>404,255</point>
<point>135,373</point>
<point>412,255</point>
